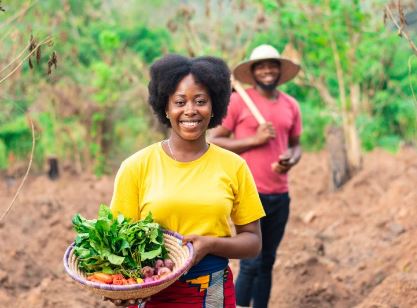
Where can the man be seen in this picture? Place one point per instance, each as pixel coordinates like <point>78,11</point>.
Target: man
<point>271,149</point>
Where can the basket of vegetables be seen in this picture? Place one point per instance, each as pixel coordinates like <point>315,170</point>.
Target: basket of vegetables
<point>120,259</point>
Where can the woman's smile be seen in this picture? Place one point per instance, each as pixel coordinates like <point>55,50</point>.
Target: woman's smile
<point>190,123</point>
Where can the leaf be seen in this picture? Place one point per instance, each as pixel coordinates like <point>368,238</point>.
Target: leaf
<point>116,244</point>
<point>82,252</point>
<point>150,254</point>
<point>120,244</point>
<point>80,238</point>
<point>120,219</point>
<point>116,260</point>
<point>104,213</point>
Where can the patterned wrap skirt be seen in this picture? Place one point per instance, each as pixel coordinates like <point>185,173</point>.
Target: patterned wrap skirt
<point>214,290</point>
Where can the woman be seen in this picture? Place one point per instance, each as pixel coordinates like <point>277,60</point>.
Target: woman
<point>190,186</point>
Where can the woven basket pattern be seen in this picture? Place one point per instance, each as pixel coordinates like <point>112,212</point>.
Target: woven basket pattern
<point>179,254</point>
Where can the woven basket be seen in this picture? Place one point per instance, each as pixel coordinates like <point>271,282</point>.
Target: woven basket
<point>179,254</point>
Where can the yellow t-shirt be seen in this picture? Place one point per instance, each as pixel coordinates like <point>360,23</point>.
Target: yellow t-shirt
<point>197,197</point>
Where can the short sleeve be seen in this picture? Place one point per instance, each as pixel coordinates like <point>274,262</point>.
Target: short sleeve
<point>247,206</point>
<point>297,126</point>
<point>125,199</point>
<point>230,120</point>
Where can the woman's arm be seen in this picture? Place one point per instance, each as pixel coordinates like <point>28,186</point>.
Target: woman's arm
<point>247,243</point>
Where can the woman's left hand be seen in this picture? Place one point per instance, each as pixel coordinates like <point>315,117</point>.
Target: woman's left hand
<point>201,245</point>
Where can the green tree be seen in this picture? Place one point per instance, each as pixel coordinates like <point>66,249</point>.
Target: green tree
<point>348,60</point>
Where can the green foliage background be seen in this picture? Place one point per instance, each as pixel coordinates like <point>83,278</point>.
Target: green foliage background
<point>91,112</point>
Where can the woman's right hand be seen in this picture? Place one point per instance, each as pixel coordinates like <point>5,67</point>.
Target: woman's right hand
<point>201,246</point>
<point>264,133</point>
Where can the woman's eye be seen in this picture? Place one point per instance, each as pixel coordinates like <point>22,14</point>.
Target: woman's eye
<point>201,102</point>
<point>179,103</point>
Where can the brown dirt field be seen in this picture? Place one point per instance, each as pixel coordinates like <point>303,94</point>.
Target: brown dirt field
<point>352,248</point>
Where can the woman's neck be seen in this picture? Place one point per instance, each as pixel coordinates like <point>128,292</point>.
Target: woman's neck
<point>186,150</point>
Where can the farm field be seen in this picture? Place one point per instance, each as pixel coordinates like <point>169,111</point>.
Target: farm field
<point>351,248</point>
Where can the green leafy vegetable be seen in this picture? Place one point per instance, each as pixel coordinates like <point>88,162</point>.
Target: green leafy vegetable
<point>113,245</point>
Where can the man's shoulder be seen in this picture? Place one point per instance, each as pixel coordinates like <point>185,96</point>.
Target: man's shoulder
<point>251,91</point>
<point>291,102</point>
<point>289,98</point>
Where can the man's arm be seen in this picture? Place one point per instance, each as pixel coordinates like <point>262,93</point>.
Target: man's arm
<point>222,137</point>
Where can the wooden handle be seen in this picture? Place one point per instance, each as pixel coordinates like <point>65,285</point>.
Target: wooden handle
<point>248,101</point>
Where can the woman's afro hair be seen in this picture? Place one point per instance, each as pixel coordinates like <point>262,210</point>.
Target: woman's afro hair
<point>211,72</point>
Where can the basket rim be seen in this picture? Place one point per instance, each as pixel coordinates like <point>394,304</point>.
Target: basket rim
<point>130,287</point>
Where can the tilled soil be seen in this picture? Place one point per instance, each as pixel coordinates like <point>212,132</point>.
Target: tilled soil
<point>352,248</point>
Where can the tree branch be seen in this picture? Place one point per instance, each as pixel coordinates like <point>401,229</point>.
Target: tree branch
<point>401,31</point>
<point>15,59</point>
<point>46,41</point>
<point>18,14</point>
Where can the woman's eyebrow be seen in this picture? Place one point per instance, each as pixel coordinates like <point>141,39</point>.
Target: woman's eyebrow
<point>178,94</point>
<point>196,95</point>
<point>201,94</point>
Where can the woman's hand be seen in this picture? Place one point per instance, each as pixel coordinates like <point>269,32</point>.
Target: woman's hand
<point>201,246</point>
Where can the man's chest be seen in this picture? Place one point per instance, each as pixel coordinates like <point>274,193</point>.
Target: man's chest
<point>278,114</point>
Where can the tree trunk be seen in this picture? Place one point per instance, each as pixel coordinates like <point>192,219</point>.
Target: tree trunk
<point>53,171</point>
<point>353,144</point>
<point>335,145</point>
<point>353,148</point>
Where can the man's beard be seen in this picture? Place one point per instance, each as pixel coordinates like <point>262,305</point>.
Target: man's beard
<point>267,87</point>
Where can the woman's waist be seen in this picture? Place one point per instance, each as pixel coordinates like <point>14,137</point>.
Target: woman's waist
<point>209,264</point>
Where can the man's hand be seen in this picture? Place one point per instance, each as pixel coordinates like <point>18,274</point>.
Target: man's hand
<point>264,132</point>
<point>286,161</point>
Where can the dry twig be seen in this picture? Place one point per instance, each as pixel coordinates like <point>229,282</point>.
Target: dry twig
<point>409,80</point>
<point>48,40</point>
<point>18,14</point>
<point>15,59</point>
<point>26,174</point>
<point>401,25</point>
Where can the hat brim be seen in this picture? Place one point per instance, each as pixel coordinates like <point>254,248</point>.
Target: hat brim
<point>288,70</point>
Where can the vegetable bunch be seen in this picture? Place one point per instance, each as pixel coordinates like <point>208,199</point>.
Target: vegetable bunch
<point>117,245</point>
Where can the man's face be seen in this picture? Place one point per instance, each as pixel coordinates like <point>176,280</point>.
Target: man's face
<point>266,74</point>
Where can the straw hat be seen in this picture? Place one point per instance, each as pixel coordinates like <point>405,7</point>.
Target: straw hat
<point>243,72</point>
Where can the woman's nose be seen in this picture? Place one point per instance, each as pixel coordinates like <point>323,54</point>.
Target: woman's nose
<point>189,108</point>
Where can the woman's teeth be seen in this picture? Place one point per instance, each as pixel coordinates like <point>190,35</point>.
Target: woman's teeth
<point>189,124</point>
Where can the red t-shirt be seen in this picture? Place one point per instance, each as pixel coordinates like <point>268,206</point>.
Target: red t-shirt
<point>284,114</point>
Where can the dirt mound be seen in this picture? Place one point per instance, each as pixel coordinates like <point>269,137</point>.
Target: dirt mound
<point>397,290</point>
<point>353,247</point>
<point>36,233</point>
<point>360,235</point>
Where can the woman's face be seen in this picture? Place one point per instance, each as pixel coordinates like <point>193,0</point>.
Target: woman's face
<point>189,109</point>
